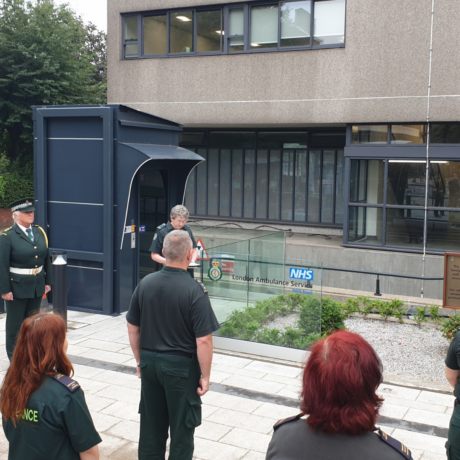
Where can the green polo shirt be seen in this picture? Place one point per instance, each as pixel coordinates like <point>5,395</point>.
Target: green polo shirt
<point>56,425</point>
<point>172,310</point>
<point>453,359</point>
<point>160,235</point>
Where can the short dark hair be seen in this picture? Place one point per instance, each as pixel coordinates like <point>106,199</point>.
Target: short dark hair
<point>339,387</point>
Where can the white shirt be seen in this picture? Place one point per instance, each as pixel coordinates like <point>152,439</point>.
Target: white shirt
<point>24,230</point>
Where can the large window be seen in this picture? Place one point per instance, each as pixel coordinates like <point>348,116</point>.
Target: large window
<point>267,175</point>
<point>242,28</point>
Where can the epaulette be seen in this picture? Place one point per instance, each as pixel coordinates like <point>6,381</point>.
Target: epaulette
<point>70,384</point>
<point>44,234</point>
<point>399,446</point>
<point>4,231</point>
<point>287,420</point>
<point>161,226</point>
<point>202,286</point>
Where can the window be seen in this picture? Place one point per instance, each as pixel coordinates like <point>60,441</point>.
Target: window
<point>247,28</point>
<point>369,134</point>
<point>408,134</point>
<point>267,175</point>
<point>445,133</point>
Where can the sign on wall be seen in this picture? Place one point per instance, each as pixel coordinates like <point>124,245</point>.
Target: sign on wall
<point>451,295</point>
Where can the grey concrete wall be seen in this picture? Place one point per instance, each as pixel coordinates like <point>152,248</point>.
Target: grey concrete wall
<point>381,74</point>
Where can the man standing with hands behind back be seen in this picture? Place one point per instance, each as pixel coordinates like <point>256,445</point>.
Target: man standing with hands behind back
<point>170,326</point>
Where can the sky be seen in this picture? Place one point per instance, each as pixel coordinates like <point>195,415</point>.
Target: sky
<point>94,11</point>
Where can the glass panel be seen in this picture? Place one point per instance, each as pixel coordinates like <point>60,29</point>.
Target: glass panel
<point>369,134</point>
<point>339,180</point>
<point>262,181</point>
<point>362,180</point>
<point>282,140</point>
<point>366,225</point>
<point>445,133</point>
<point>237,183</point>
<point>249,183</point>
<point>444,186</point>
<point>354,175</point>
<point>295,23</point>
<point>375,181</point>
<point>232,140</point>
<point>236,44</point>
<point>300,186</point>
<point>181,32</point>
<point>314,184</point>
<point>131,29</point>
<point>201,180</point>
<point>155,35</point>
<point>443,230</point>
<point>275,186</point>
<point>264,27</point>
<point>408,134</point>
<point>208,31</point>
<point>225,182</point>
<point>236,21</point>
<point>287,185</point>
<point>131,50</point>
<point>186,139</point>
<point>404,227</point>
<point>406,182</point>
<point>213,181</point>
<point>327,185</point>
<point>190,192</point>
<point>328,139</point>
<point>329,22</point>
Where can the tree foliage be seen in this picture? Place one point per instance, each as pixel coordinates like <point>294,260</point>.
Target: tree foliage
<point>47,57</point>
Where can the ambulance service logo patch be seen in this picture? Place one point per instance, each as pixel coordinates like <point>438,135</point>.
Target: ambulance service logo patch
<point>215,273</point>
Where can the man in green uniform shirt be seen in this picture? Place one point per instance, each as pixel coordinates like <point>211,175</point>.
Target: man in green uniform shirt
<point>452,374</point>
<point>179,216</point>
<point>170,325</point>
<point>25,268</point>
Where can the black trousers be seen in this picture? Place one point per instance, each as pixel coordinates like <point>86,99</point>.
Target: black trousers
<point>17,311</point>
<point>169,400</point>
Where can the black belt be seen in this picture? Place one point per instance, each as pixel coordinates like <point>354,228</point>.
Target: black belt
<point>183,354</point>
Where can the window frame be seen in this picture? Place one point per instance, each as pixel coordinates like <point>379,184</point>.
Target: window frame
<point>224,49</point>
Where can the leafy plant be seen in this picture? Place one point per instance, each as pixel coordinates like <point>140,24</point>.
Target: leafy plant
<point>349,307</point>
<point>327,314</point>
<point>420,316</point>
<point>450,326</point>
<point>434,315</point>
<point>384,308</point>
<point>366,305</point>
<point>398,311</point>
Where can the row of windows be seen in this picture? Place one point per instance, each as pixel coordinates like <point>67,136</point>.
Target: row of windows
<point>403,134</point>
<point>235,28</point>
<point>293,185</point>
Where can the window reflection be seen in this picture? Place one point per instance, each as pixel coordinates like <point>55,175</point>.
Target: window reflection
<point>408,134</point>
<point>406,182</point>
<point>225,183</point>
<point>369,134</point>
<point>275,185</point>
<point>264,27</point>
<point>327,187</point>
<point>339,181</point>
<point>181,32</point>
<point>295,23</point>
<point>365,225</point>
<point>444,185</point>
<point>237,183</point>
<point>249,183</point>
<point>329,22</point>
<point>131,29</point>
<point>209,31</point>
<point>314,185</point>
<point>445,133</point>
<point>262,181</point>
<point>155,35</point>
<point>287,184</point>
<point>404,227</point>
<point>300,185</point>
<point>443,230</point>
<point>367,181</point>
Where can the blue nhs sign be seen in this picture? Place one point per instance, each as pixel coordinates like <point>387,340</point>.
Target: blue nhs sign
<point>301,274</point>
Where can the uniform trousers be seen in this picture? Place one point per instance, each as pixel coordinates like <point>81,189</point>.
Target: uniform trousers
<point>17,311</point>
<point>453,438</point>
<point>169,399</point>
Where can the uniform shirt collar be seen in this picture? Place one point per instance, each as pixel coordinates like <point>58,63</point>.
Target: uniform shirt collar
<point>24,228</point>
<point>174,270</point>
<point>170,227</point>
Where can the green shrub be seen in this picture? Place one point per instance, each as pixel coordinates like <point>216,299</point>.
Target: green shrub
<point>16,180</point>
<point>398,311</point>
<point>366,305</point>
<point>434,315</point>
<point>450,326</point>
<point>326,313</point>
<point>420,316</point>
<point>349,307</point>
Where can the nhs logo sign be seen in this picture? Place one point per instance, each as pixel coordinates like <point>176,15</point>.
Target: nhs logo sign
<point>301,274</point>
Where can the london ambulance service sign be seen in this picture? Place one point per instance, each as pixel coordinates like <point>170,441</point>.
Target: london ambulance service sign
<point>301,274</point>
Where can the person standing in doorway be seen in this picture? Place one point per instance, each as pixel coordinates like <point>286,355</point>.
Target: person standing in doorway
<point>26,272</point>
<point>179,216</point>
<point>170,326</point>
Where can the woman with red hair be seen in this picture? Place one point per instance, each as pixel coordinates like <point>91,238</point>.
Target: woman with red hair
<point>339,396</point>
<point>44,411</point>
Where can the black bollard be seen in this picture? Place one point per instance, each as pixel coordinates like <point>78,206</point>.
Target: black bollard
<point>60,284</point>
<point>377,287</point>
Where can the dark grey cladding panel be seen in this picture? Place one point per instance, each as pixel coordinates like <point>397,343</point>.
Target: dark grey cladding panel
<point>74,127</point>
<point>409,151</point>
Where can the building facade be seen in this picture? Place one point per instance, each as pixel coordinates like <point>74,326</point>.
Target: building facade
<point>332,115</point>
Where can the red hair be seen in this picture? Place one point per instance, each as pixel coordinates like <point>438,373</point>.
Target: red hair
<point>39,351</point>
<point>339,384</point>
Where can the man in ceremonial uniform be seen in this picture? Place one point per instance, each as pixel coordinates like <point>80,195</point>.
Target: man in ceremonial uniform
<point>179,216</point>
<point>25,268</point>
<point>170,325</point>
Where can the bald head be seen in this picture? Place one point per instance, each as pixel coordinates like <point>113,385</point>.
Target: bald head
<point>177,246</point>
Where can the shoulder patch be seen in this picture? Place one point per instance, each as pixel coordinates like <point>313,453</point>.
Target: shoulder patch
<point>202,286</point>
<point>287,420</point>
<point>70,384</point>
<point>399,446</point>
<point>161,226</point>
<point>44,234</point>
<point>7,229</point>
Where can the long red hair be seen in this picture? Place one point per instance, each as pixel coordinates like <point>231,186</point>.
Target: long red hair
<point>339,385</point>
<point>39,351</point>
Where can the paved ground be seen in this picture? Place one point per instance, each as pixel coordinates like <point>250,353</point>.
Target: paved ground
<point>247,397</point>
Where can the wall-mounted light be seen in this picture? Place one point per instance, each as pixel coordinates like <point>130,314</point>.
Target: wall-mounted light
<point>407,161</point>
<point>183,18</point>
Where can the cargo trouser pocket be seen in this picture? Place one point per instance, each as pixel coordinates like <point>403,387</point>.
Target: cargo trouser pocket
<point>175,378</point>
<point>193,417</point>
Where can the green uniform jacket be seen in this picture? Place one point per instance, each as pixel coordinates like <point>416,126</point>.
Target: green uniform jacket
<point>158,240</point>
<point>17,250</point>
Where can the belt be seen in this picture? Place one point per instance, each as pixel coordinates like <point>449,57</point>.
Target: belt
<point>26,271</point>
<point>183,354</point>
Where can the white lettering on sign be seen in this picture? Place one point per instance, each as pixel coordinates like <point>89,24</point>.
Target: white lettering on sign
<point>301,274</point>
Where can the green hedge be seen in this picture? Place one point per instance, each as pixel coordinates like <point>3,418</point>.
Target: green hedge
<point>16,180</point>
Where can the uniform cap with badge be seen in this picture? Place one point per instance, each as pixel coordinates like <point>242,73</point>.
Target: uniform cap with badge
<point>23,205</point>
